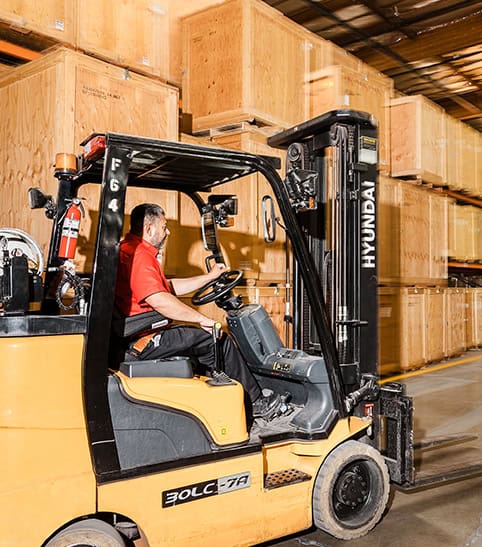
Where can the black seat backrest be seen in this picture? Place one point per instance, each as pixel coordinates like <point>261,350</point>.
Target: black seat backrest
<point>128,327</point>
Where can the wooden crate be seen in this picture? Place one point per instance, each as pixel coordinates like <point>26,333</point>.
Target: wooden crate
<point>339,87</point>
<point>464,232</point>
<point>324,54</point>
<point>455,322</point>
<point>468,158</point>
<point>478,170</point>
<point>402,331</point>
<point>418,142</point>
<point>178,9</point>
<point>412,234</point>
<point>454,153</point>
<point>434,324</point>
<point>243,245</point>
<point>53,18</point>
<point>244,60</point>
<point>473,301</point>
<point>74,96</point>
<point>131,33</point>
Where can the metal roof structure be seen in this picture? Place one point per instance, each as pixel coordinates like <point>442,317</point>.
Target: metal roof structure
<point>428,47</point>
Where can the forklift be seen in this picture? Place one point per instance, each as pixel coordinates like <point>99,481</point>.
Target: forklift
<point>98,450</point>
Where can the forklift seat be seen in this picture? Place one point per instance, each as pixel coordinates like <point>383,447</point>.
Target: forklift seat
<point>171,367</point>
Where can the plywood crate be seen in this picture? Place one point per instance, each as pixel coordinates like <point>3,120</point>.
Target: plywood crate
<point>244,60</point>
<point>324,54</point>
<point>473,302</point>
<point>74,96</point>
<point>464,232</point>
<point>243,245</point>
<point>412,234</point>
<point>339,87</point>
<point>132,33</point>
<point>468,158</point>
<point>454,153</point>
<point>434,324</point>
<point>402,330</point>
<point>418,141</point>
<point>455,322</point>
<point>52,18</point>
<point>177,9</point>
<point>478,170</point>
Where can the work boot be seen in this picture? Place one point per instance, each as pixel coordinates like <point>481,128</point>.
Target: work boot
<point>266,405</point>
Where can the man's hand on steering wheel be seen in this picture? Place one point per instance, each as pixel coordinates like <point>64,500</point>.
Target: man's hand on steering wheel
<point>218,269</point>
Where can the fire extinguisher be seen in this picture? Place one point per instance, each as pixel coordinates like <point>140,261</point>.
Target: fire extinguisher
<point>70,229</point>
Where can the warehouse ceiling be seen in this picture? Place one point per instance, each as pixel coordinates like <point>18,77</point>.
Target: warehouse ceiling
<point>428,47</point>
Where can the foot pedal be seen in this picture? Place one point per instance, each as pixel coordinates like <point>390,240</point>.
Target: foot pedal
<point>220,379</point>
<point>284,478</point>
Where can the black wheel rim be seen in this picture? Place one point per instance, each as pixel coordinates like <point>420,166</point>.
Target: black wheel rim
<point>353,493</point>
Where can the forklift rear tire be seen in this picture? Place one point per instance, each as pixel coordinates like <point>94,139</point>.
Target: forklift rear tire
<point>88,533</point>
<point>351,491</point>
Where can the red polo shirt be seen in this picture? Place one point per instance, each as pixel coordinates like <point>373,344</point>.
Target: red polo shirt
<point>139,275</point>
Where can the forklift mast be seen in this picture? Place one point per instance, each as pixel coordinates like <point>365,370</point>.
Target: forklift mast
<point>333,159</point>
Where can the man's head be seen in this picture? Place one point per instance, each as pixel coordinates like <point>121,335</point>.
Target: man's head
<point>148,221</point>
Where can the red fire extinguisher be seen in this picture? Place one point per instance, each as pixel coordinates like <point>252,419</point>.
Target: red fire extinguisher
<point>70,229</point>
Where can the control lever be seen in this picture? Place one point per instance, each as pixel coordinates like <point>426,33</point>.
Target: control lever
<point>219,377</point>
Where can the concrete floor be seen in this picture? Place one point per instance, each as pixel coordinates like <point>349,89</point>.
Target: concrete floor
<point>446,401</point>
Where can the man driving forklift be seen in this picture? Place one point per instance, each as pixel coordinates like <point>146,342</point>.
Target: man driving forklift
<point>142,287</point>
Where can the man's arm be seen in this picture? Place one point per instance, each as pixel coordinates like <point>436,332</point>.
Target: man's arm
<point>189,284</point>
<point>170,306</point>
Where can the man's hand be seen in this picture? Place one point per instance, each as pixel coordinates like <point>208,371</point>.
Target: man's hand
<point>207,324</point>
<point>216,270</point>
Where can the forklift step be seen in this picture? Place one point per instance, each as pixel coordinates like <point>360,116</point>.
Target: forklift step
<point>284,478</point>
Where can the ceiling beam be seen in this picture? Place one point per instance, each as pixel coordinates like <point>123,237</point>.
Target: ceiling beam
<point>453,37</point>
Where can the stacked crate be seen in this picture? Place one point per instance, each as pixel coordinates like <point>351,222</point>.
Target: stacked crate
<point>75,95</point>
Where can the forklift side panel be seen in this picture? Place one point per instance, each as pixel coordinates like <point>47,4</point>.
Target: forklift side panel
<point>43,437</point>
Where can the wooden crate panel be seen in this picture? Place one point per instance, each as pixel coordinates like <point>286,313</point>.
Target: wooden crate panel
<point>75,96</point>
<point>244,60</point>
<point>434,324</point>
<point>478,170</point>
<point>464,232</point>
<point>338,87</point>
<point>132,33</point>
<point>418,142</point>
<point>473,300</point>
<point>468,158</point>
<point>243,245</point>
<point>53,18</point>
<point>324,53</point>
<point>401,329</point>
<point>176,11</point>
<point>455,322</point>
<point>454,155</point>
<point>412,234</point>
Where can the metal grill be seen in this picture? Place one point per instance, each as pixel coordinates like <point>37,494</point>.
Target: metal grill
<point>284,478</point>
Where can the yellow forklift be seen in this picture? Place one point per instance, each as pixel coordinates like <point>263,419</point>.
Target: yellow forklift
<point>98,451</point>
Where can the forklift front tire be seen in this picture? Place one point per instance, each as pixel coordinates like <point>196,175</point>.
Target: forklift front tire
<point>351,491</point>
<point>88,533</point>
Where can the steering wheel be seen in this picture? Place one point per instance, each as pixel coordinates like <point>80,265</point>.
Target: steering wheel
<point>217,288</point>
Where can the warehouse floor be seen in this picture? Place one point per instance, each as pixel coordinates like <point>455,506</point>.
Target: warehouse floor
<point>447,400</point>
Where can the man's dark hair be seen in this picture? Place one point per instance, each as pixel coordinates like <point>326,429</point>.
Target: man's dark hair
<point>145,212</point>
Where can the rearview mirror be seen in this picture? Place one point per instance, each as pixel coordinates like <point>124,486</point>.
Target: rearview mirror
<point>209,232</point>
<point>269,219</point>
<point>38,200</point>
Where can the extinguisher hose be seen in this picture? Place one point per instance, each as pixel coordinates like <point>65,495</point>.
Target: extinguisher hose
<point>70,280</point>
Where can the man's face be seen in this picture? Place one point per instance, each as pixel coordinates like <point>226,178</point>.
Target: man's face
<point>157,232</point>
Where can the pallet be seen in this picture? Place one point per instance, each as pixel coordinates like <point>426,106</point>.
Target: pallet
<point>236,127</point>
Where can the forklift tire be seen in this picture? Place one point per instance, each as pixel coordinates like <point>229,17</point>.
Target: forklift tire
<point>351,491</point>
<point>87,533</point>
